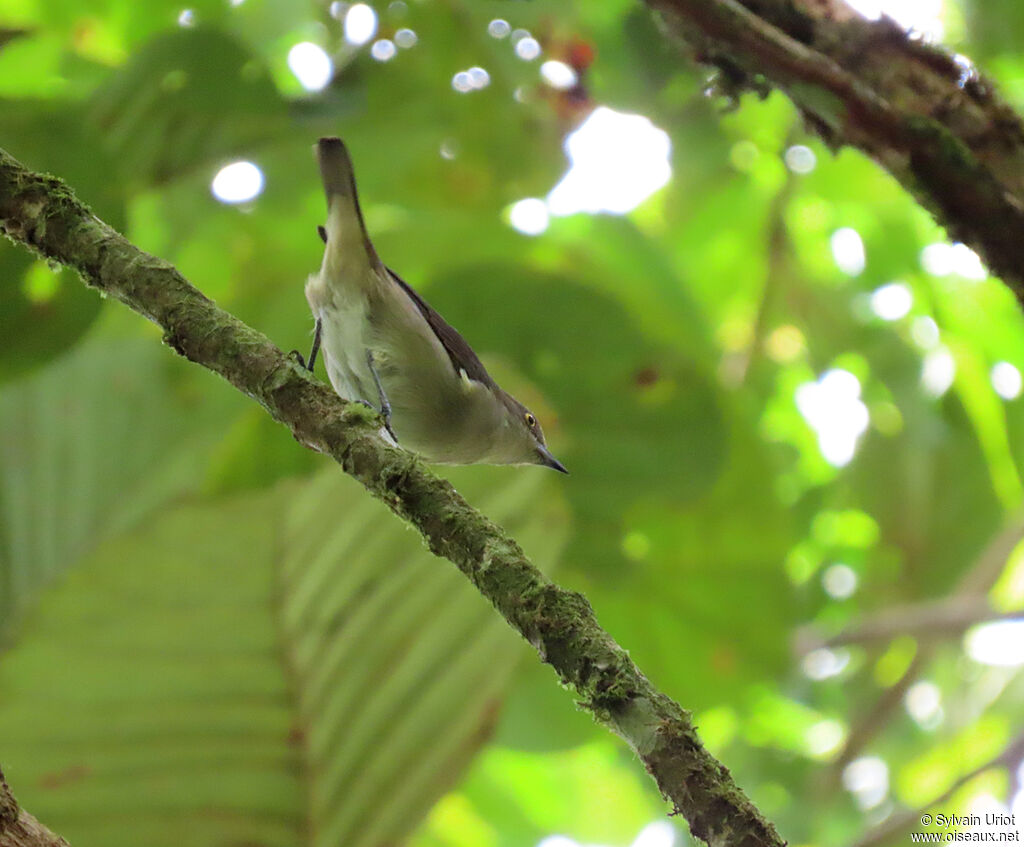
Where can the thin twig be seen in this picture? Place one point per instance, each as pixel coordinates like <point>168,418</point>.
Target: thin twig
<point>974,585</point>
<point>937,619</point>
<point>899,823</point>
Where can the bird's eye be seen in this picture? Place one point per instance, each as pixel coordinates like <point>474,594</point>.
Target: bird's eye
<point>531,421</point>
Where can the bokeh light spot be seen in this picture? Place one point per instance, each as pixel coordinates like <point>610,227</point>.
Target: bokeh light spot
<point>892,301</point>
<point>1000,643</point>
<point>478,77</point>
<point>383,49</point>
<point>311,65</point>
<point>1006,380</point>
<point>943,259</point>
<point>839,581</point>
<point>618,161</point>
<point>656,834</point>
<point>824,737</point>
<point>449,149</point>
<point>406,38</point>
<point>923,702</point>
<point>528,48</point>
<point>938,372</point>
<point>785,344</point>
<point>848,251</point>
<point>800,159</point>
<point>558,75</point>
<point>922,16</point>
<point>360,24</point>
<point>867,779</point>
<point>636,546</point>
<point>498,28</point>
<point>833,409</point>
<point>238,182</point>
<point>529,216</point>
<point>41,283</point>
<point>824,663</point>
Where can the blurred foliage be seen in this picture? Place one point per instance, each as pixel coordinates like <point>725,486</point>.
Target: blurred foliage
<point>211,636</point>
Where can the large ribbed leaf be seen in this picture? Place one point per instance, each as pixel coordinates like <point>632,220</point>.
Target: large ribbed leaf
<point>146,702</point>
<point>401,665</point>
<point>87,446</point>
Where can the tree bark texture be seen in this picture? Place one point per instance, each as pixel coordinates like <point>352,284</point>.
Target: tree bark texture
<point>928,117</point>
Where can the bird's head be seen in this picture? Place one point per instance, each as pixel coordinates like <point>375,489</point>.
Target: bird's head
<point>522,438</point>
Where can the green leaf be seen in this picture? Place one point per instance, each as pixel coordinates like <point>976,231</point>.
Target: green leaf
<point>256,452</point>
<point>400,665</point>
<point>188,98</point>
<point>87,447</point>
<point>146,703</point>
<point>44,311</point>
<point>535,691</point>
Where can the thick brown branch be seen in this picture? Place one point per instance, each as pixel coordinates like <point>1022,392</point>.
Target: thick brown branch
<point>42,214</point>
<point>934,124</point>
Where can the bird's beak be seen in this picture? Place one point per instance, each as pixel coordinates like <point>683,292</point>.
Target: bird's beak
<point>550,461</point>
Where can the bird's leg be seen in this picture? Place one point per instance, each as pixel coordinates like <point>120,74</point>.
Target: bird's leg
<point>385,406</point>
<point>316,344</point>
<point>297,356</point>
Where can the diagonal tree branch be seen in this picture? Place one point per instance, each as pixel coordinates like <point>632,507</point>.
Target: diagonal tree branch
<point>41,213</point>
<point>927,117</point>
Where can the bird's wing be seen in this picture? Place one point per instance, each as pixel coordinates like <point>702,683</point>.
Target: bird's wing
<point>464,360</point>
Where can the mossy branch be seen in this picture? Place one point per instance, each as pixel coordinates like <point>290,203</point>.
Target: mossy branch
<point>933,121</point>
<point>41,213</point>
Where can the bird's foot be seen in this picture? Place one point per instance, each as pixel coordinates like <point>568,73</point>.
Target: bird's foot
<point>385,413</point>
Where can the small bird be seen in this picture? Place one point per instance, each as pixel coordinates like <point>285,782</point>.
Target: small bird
<point>385,347</point>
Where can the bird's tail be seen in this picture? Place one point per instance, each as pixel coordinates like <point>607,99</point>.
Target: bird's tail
<point>345,229</point>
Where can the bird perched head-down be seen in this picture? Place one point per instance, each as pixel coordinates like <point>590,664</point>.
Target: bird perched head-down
<point>384,346</point>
